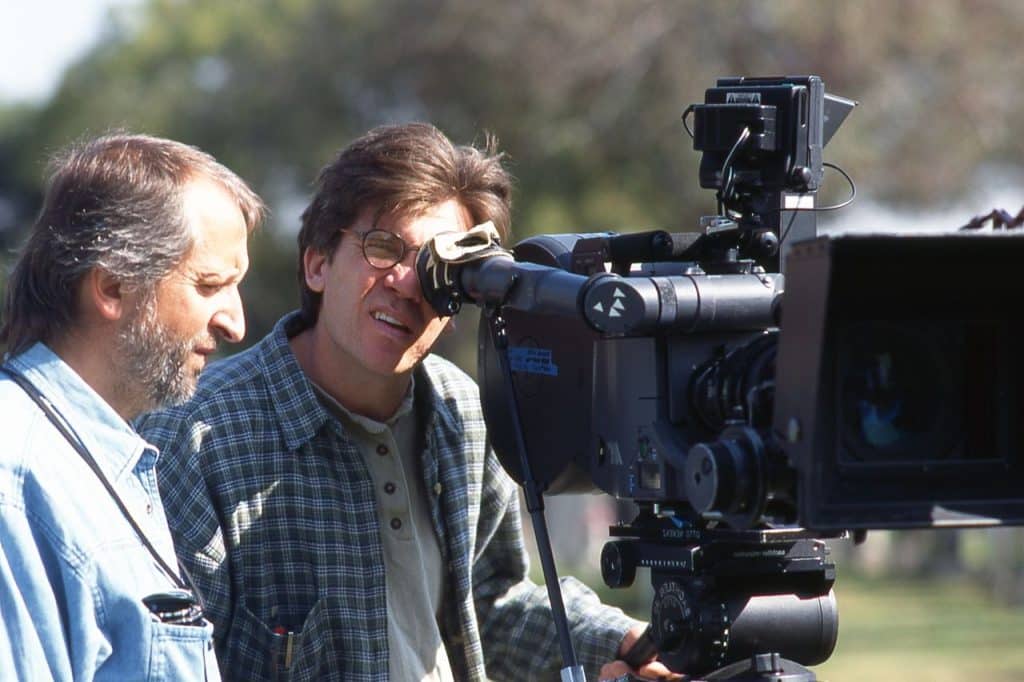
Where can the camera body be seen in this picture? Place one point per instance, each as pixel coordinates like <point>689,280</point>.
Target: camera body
<point>872,383</point>
<point>752,386</point>
<point>888,396</point>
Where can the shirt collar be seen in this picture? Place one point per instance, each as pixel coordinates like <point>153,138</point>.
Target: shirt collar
<point>111,440</point>
<point>366,423</point>
<point>299,410</point>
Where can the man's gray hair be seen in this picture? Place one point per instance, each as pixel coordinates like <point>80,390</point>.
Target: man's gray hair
<point>115,203</point>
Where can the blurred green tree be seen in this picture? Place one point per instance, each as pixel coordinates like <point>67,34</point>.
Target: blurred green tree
<point>585,96</point>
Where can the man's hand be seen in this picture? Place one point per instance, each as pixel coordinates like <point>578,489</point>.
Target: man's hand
<point>652,669</point>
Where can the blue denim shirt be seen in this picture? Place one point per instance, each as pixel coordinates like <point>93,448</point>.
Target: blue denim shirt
<point>73,572</point>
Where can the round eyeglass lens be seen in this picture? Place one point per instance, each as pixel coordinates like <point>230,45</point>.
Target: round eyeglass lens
<point>382,248</point>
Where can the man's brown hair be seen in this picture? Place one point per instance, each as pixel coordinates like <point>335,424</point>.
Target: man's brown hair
<point>400,170</point>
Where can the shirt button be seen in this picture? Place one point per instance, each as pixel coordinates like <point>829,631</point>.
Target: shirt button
<point>396,523</point>
<point>382,450</point>
<point>437,488</point>
<point>389,488</point>
<point>149,507</point>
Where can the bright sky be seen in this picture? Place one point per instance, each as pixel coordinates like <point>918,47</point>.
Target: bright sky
<point>39,38</point>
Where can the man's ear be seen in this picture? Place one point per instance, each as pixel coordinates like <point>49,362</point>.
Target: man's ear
<point>313,269</point>
<point>103,295</point>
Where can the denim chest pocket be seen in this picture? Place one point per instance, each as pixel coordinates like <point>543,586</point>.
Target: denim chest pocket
<point>182,652</point>
<point>255,650</point>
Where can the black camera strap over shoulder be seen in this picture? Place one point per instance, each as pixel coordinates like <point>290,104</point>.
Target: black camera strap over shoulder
<point>65,429</point>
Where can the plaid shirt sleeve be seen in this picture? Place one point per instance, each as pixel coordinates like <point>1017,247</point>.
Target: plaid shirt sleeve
<point>520,641</point>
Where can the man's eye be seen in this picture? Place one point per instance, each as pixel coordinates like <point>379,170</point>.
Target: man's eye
<point>383,248</point>
<point>209,288</point>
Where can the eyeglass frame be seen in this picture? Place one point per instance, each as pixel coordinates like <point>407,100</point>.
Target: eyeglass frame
<point>406,249</point>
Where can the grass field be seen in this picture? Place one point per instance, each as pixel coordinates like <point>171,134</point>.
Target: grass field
<point>927,632</point>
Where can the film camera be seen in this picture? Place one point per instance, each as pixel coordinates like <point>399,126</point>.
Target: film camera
<point>750,386</point>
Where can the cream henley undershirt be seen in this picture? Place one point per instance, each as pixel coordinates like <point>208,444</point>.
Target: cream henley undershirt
<point>414,572</point>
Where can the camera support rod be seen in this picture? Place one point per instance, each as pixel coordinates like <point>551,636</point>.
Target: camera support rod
<point>571,670</point>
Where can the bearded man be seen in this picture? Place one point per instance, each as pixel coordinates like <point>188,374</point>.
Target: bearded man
<point>127,282</point>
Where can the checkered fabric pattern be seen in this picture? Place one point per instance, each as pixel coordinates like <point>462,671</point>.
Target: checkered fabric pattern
<point>273,513</point>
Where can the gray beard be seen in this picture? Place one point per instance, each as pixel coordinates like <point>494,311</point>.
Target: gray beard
<point>153,363</point>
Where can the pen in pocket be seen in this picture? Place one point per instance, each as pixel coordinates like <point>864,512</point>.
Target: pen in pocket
<point>289,639</point>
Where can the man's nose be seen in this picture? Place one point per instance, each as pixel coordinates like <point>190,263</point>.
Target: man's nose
<point>403,278</point>
<point>229,320</point>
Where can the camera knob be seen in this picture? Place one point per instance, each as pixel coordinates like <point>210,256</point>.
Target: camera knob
<point>801,178</point>
<point>711,477</point>
<point>722,477</point>
<point>618,563</point>
<point>672,616</point>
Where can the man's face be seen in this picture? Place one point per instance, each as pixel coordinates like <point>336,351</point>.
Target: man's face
<point>166,341</point>
<point>376,324</point>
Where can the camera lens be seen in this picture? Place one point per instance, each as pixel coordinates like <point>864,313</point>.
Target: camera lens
<point>895,395</point>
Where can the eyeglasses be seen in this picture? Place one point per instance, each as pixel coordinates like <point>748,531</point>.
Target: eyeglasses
<point>383,250</point>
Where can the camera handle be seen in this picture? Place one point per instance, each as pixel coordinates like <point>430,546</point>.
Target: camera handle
<point>571,670</point>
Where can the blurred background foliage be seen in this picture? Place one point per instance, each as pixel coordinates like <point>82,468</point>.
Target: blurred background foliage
<point>585,97</point>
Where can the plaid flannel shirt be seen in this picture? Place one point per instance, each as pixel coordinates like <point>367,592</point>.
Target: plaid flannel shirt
<point>273,513</point>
